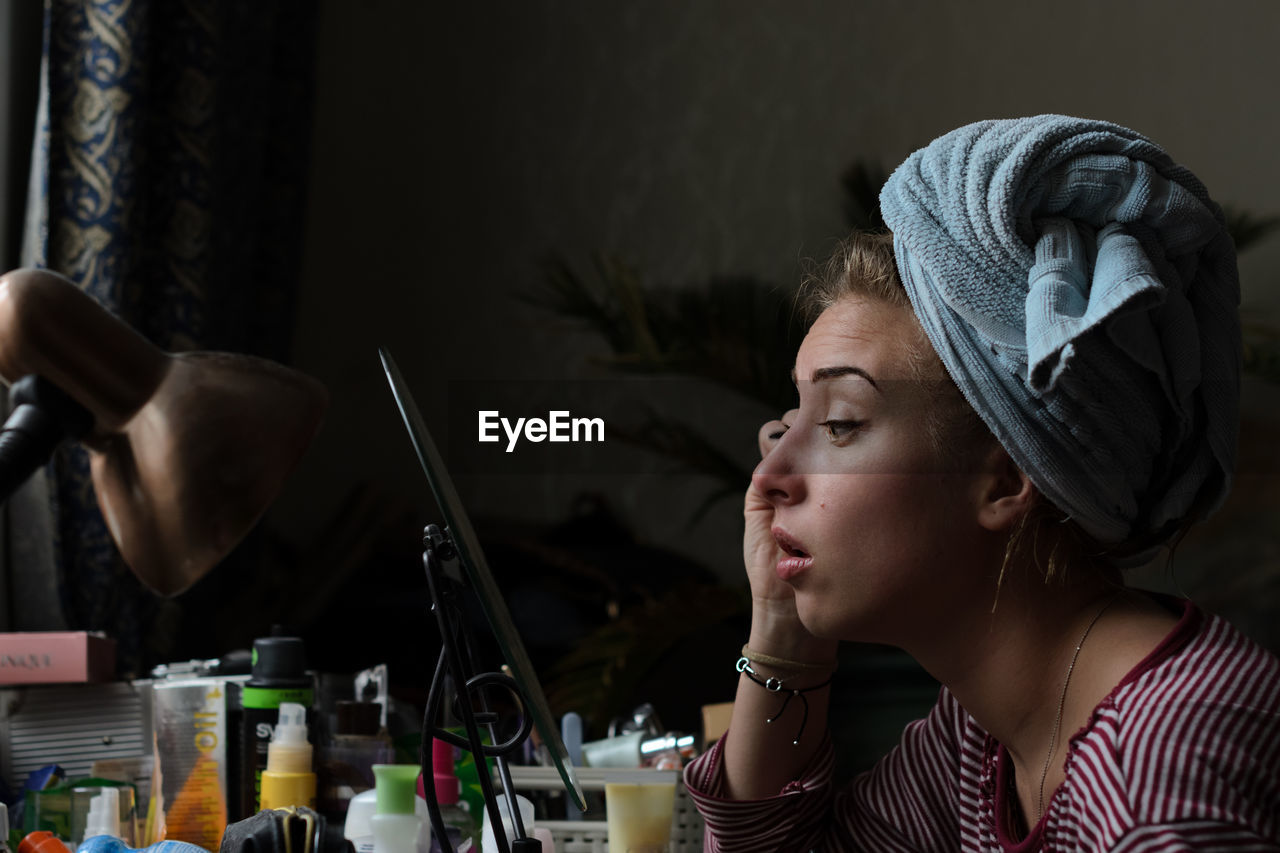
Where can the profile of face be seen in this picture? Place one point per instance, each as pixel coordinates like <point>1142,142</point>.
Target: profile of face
<point>879,530</point>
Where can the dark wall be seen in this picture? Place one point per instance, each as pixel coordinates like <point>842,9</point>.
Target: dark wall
<point>456,144</point>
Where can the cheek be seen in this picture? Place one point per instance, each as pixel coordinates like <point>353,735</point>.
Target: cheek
<point>858,512</point>
<point>875,494</point>
<point>890,514</point>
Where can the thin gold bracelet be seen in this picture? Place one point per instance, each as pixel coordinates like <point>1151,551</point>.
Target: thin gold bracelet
<point>784,664</point>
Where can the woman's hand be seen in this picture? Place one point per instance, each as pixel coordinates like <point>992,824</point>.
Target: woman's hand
<point>775,624</point>
<point>759,549</point>
<point>759,758</point>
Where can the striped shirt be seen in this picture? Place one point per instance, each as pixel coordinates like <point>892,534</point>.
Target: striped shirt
<point>1184,754</point>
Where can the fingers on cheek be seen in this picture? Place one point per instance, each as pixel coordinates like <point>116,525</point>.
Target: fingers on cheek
<point>769,435</point>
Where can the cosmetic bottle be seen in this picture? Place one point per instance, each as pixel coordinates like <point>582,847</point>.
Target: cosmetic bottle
<point>458,821</point>
<point>278,675</point>
<point>395,825</point>
<point>288,779</point>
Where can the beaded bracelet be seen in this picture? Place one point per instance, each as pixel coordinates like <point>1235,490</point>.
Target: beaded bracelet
<point>775,685</point>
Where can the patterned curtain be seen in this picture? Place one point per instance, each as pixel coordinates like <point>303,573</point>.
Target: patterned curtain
<point>168,181</point>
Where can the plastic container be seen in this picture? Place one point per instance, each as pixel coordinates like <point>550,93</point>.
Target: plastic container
<point>590,835</point>
<point>344,766</point>
<point>395,825</point>
<point>107,844</point>
<point>489,844</point>
<point>358,829</point>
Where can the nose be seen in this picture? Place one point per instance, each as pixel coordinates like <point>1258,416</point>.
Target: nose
<point>777,476</point>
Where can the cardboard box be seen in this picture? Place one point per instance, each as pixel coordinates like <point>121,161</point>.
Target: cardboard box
<point>191,783</point>
<point>52,657</point>
<point>715,722</point>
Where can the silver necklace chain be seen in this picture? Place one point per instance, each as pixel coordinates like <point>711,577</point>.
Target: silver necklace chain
<point>1062,704</point>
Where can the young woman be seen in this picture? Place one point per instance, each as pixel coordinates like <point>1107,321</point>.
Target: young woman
<point>1029,386</point>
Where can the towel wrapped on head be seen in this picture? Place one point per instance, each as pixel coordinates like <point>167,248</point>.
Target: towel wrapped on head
<point>1081,289</point>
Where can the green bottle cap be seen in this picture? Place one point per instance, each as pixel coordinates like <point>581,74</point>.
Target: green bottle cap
<point>396,784</point>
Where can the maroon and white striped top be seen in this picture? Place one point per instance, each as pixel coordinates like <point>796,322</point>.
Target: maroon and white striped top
<point>1184,754</point>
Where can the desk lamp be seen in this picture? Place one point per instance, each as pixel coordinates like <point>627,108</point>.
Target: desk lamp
<point>186,450</point>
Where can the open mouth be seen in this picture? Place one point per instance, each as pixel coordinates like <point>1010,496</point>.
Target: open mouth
<point>789,545</point>
<point>795,560</point>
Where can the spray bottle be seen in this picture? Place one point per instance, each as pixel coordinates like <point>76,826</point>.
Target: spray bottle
<point>104,815</point>
<point>288,779</point>
<point>279,675</point>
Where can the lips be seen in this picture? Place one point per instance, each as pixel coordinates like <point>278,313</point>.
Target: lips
<point>795,559</point>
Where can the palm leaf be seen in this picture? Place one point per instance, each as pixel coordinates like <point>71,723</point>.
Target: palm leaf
<point>738,332</point>
<point>1247,229</point>
<point>687,448</point>
<point>604,674</point>
<point>1261,355</point>
<point>862,181</point>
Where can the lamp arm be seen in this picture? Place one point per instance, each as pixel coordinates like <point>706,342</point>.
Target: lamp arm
<point>43,417</point>
<point>52,328</point>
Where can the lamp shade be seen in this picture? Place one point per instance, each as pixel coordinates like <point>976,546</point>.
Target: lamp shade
<point>186,450</point>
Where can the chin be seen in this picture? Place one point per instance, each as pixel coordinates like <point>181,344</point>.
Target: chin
<point>850,627</point>
<point>827,626</point>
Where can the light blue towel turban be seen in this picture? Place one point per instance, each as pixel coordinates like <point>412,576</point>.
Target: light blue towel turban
<point>1081,289</point>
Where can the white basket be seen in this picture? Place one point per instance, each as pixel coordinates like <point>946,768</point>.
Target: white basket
<point>591,836</point>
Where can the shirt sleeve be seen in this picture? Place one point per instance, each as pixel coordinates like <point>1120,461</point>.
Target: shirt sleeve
<point>1194,837</point>
<point>906,803</point>
<point>791,821</point>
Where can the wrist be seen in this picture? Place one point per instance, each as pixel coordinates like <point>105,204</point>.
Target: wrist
<point>787,665</point>
<point>782,635</point>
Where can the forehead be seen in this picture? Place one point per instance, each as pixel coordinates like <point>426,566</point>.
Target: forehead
<point>862,332</point>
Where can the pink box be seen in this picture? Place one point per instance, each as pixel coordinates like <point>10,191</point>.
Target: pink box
<point>48,657</point>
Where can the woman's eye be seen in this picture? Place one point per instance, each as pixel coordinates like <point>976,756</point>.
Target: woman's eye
<point>838,430</point>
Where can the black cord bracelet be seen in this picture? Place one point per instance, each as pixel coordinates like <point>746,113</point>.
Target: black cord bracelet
<point>775,685</point>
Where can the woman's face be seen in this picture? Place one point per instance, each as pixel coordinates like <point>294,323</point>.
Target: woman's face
<point>877,523</point>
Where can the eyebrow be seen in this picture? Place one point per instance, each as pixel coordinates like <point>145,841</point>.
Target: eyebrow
<point>836,372</point>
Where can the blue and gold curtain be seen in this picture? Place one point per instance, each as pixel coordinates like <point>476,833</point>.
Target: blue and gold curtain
<point>168,181</point>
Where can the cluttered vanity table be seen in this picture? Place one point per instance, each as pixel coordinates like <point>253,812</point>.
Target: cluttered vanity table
<point>256,750</point>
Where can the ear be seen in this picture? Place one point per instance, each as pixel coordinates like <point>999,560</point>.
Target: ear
<point>1005,493</point>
